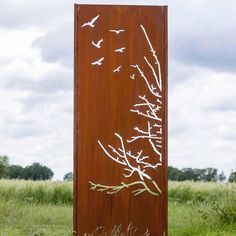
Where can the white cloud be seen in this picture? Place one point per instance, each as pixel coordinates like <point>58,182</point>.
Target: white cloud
<point>17,44</point>
<point>57,44</point>
<point>203,33</point>
<point>36,103</point>
<point>37,131</point>
<point>37,76</point>
<point>203,110</point>
<point>21,14</point>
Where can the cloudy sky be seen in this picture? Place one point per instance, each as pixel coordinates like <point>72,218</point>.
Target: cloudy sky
<point>36,82</point>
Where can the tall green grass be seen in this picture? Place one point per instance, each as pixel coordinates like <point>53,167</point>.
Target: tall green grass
<point>23,219</point>
<point>200,191</point>
<point>59,192</point>
<point>214,200</point>
<point>37,192</point>
<point>37,208</point>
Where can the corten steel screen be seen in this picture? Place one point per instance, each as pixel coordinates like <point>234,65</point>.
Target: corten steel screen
<point>120,120</point>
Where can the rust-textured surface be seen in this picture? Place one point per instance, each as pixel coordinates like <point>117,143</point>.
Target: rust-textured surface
<point>120,147</point>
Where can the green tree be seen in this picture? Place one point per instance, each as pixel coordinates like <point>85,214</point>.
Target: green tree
<point>232,177</point>
<point>4,163</point>
<point>174,173</point>
<point>36,171</point>
<point>210,175</point>
<point>189,174</point>
<point>15,172</point>
<point>221,177</point>
<point>68,176</point>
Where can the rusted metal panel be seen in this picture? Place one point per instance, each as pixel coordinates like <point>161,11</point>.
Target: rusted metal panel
<point>120,149</point>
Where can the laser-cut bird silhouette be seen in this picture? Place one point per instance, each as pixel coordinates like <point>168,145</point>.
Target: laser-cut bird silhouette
<point>132,76</point>
<point>90,23</point>
<point>117,69</point>
<point>98,62</point>
<point>117,31</point>
<point>97,44</point>
<point>121,50</point>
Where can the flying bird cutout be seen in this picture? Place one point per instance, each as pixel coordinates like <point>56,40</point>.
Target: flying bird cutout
<point>97,44</point>
<point>117,69</point>
<point>90,23</point>
<point>121,50</point>
<point>98,62</point>
<point>117,31</point>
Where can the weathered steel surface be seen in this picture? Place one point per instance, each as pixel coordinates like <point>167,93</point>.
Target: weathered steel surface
<point>120,149</point>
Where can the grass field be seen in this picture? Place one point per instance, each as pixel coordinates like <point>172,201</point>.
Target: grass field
<point>45,209</point>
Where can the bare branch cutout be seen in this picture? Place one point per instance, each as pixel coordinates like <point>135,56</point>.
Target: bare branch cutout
<point>158,79</point>
<point>115,189</point>
<point>135,164</point>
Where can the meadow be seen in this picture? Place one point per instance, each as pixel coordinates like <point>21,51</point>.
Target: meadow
<point>44,208</point>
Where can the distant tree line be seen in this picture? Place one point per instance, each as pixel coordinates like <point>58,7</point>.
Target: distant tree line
<point>36,171</point>
<point>194,174</point>
<point>191,174</point>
